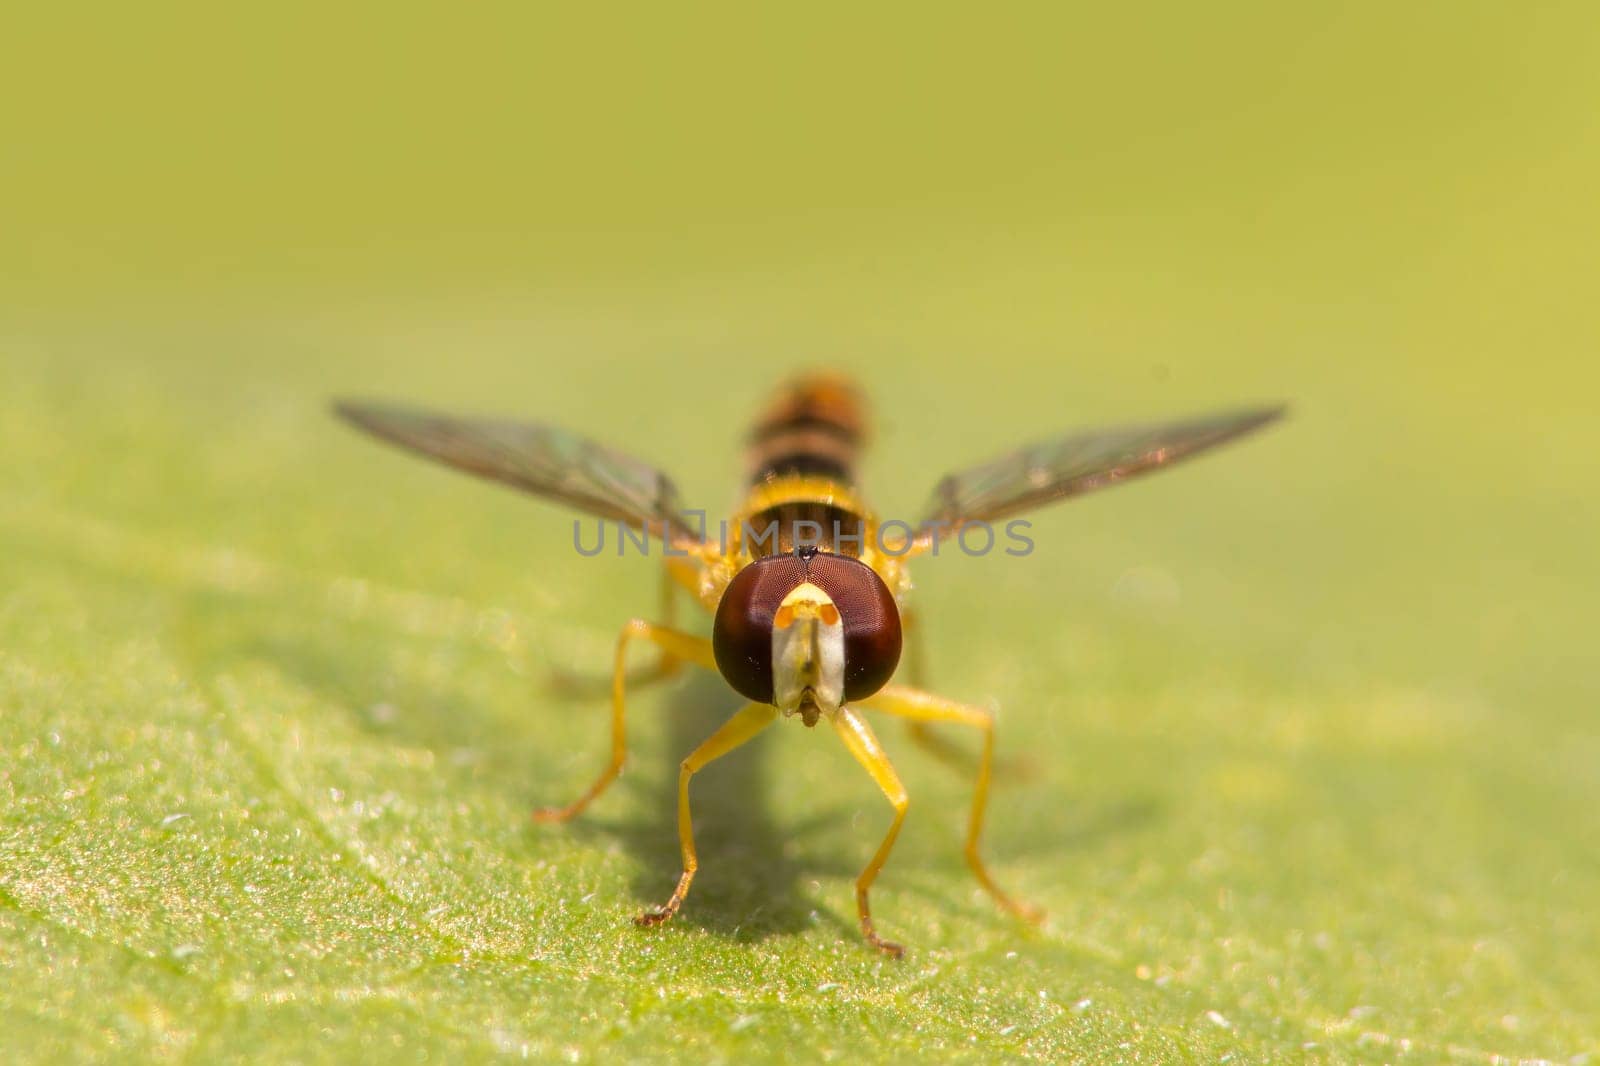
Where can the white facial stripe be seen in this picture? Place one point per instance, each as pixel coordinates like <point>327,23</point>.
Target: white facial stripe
<point>808,653</point>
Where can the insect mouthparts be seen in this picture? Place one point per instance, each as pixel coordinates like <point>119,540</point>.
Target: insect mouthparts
<point>806,552</point>
<point>809,711</point>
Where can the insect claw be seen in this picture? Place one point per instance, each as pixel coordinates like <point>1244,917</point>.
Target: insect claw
<point>656,917</point>
<point>888,947</point>
<point>868,930</point>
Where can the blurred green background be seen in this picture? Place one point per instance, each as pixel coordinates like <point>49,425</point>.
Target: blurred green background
<point>1312,763</point>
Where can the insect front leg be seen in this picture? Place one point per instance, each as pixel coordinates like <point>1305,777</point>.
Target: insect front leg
<point>671,642</point>
<point>736,731</point>
<point>863,744</point>
<point>918,706</point>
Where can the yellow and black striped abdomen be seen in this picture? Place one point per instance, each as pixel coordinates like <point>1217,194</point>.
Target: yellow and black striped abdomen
<point>809,436</point>
<point>813,427</point>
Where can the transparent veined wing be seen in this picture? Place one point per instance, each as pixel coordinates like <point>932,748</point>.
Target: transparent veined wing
<point>1077,463</point>
<point>545,460</point>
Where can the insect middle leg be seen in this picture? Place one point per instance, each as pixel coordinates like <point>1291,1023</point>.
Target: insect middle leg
<point>677,573</point>
<point>575,685</point>
<point>863,744</point>
<point>919,706</point>
<point>923,734</point>
<point>739,729</point>
<point>915,659</point>
<point>671,642</point>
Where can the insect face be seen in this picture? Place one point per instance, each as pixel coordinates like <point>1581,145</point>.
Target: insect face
<point>807,654</point>
<point>807,633</point>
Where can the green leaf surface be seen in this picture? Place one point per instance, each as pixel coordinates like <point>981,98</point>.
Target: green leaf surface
<point>1300,744</point>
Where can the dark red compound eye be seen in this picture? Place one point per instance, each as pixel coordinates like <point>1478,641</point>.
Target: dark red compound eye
<point>741,636</point>
<point>871,621</point>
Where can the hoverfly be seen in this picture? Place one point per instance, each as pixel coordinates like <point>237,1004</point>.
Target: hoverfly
<point>803,626</point>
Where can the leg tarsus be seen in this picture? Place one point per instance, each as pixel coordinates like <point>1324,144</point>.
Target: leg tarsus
<point>1020,908</point>
<point>667,910</point>
<point>888,947</point>
<point>549,815</point>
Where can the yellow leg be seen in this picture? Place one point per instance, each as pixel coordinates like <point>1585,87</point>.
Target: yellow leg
<point>671,642</point>
<point>859,738</point>
<point>667,664</point>
<point>572,684</point>
<point>923,734</point>
<point>919,706</point>
<point>735,731</point>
